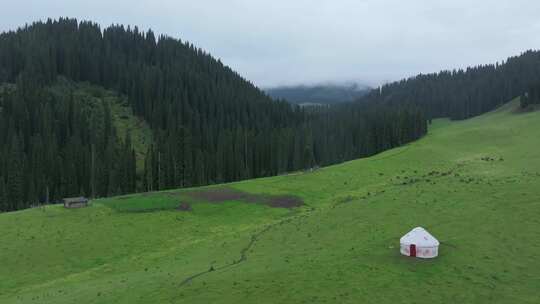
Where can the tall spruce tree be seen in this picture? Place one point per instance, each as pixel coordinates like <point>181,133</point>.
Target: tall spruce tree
<point>4,203</point>
<point>15,186</point>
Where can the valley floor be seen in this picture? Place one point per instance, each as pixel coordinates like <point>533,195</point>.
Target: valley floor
<point>473,184</point>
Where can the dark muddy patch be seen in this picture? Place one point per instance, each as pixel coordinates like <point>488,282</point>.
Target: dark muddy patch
<point>145,210</point>
<point>219,195</point>
<point>184,207</point>
<point>527,109</point>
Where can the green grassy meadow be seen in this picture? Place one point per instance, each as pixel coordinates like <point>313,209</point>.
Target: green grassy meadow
<point>474,184</point>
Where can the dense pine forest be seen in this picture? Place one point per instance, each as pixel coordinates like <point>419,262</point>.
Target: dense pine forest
<point>461,94</point>
<point>208,124</point>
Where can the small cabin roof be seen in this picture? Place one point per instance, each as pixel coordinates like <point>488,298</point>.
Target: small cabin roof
<point>419,237</point>
<point>75,199</point>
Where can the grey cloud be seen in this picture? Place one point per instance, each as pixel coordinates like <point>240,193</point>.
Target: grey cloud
<point>289,42</point>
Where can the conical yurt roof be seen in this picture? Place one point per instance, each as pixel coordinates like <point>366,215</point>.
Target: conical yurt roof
<point>419,237</point>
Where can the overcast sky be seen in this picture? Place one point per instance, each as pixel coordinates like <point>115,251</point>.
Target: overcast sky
<point>285,42</point>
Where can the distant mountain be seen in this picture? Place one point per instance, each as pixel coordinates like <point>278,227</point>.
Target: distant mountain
<point>318,94</point>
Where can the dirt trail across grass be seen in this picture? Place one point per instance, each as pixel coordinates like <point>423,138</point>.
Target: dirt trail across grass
<point>295,214</point>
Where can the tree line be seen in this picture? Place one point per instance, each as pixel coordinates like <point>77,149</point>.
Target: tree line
<point>209,124</point>
<point>464,93</point>
<point>54,145</point>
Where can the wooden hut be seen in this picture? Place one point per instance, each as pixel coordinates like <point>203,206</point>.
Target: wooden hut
<point>75,202</point>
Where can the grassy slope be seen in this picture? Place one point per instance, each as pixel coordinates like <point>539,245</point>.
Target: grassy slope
<point>141,134</point>
<point>341,248</point>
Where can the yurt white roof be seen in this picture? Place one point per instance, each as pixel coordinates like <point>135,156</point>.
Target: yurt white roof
<point>419,237</point>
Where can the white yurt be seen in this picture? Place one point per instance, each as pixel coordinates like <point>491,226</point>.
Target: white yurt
<point>419,243</point>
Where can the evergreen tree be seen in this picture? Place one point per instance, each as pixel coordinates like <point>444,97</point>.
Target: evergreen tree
<point>15,186</point>
<point>4,203</point>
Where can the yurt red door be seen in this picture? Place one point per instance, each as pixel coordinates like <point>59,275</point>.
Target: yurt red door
<point>412,250</point>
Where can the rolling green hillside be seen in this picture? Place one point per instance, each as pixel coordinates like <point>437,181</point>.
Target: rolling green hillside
<point>473,184</point>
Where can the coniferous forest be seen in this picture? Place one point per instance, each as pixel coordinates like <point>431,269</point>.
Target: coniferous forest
<point>208,124</point>
<point>461,94</point>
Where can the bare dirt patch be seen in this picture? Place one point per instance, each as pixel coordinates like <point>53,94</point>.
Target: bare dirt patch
<point>219,195</point>
<point>184,207</point>
<point>528,109</point>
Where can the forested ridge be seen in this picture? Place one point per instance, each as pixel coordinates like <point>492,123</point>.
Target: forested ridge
<point>209,124</point>
<point>464,93</point>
